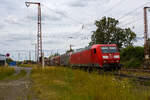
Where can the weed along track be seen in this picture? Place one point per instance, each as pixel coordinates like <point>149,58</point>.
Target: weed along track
<point>139,79</point>
<point>141,75</point>
<point>61,83</point>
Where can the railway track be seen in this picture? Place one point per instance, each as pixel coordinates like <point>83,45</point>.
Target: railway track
<point>131,74</point>
<point>142,78</point>
<point>137,70</point>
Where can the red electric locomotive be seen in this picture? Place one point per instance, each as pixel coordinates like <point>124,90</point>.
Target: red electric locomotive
<point>97,56</point>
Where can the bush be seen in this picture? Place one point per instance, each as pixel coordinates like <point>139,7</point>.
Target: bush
<point>132,56</point>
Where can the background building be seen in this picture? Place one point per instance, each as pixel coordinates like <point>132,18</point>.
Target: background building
<point>2,60</point>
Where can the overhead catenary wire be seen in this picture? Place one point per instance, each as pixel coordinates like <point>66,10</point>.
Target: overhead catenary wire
<point>141,6</point>
<point>114,7</point>
<point>131,22</point>
<point>57,12</point>
<point>71,18</point>
<point>62,14</point>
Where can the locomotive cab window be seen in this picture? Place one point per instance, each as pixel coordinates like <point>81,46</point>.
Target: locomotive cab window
<point>105,49</point>
<point>109,49</point>
<point>113,49</point>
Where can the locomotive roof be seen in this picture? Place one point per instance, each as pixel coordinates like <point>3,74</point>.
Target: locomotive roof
<point>94,46</point>
<point>82,49</point>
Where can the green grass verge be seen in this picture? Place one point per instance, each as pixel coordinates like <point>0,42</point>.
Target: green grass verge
<point>57,83</point>
<point>6,72</point>
<point>28,65</point>
<point>21,74</point>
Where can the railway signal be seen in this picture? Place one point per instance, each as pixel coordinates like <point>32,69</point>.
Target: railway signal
<point>39,33</point>
<point>7,55</point>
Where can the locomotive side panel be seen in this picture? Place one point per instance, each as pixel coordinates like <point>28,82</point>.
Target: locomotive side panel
<point>83,57</point>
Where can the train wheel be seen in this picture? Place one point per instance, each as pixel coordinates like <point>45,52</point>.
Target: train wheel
<point>89,69</point>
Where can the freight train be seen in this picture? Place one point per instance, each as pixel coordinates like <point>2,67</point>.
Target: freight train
<point>105,56</point>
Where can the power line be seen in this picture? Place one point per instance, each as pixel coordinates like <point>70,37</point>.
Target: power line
<point>132,11</point>
<point>131,22</point>
<point>62,14</point>
<point>114,6</point>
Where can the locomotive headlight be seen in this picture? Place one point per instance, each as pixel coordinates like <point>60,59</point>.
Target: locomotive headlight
<point>105,57</point>
<point>116,56</point>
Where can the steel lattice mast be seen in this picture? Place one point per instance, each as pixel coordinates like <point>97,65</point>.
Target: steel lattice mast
<point>39,33</point>
<point>146,41</point>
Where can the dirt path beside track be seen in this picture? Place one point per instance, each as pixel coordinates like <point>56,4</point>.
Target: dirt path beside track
<point>17,89</point>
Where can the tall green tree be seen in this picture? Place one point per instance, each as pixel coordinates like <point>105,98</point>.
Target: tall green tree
<point>108,32</point>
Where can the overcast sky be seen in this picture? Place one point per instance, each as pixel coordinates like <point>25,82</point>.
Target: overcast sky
<point>64,22</point>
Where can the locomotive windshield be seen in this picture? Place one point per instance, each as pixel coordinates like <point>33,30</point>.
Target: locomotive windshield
<point>109,49</point>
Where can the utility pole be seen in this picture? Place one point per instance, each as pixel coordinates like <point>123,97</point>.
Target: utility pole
<point>29,55</point>
<point>36,53</point>
<point>18,56</point>
<point>70,47</point>
<point>146,44</point>
<point>43,64</point>
<point>39,33</point>
<point>35,47</point>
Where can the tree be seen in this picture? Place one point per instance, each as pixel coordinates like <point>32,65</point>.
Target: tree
<point>68,51</point>
<point>132,56</point>
<point>56,54</point>
<point>8,60</point>
<point>108,32</point>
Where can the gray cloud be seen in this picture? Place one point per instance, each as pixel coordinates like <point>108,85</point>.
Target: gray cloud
<point>52,18</point>
<point>83,3</point>
<point>46,17</point>
<point>78,4</point>
<point>2,26</point>
<point>139,38</point>
<point>12,20</point>
<point>18,38</point>
<point>52,41</point>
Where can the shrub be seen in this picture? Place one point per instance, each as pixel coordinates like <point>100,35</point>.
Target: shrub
<point>132,56</point>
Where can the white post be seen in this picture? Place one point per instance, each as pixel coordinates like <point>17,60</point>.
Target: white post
<point>5,61</point>
<point>43,63</point>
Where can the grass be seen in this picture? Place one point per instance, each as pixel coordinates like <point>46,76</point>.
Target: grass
<point>58,83</point>
<point>9,73</point>
<point>21,74</point>
<point>28,65</point>
<point>6,72</point>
